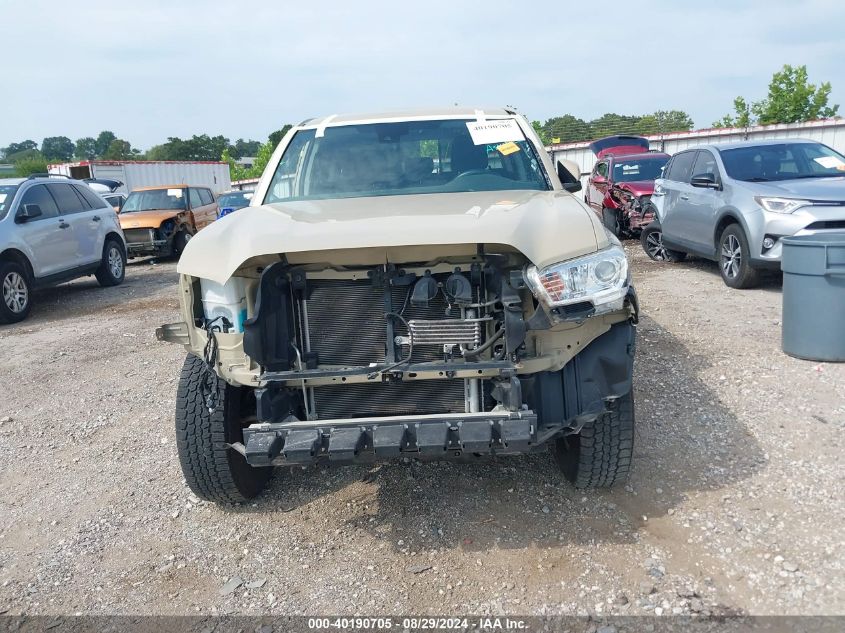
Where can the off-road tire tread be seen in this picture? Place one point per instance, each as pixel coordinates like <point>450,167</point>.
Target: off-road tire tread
<point>605,447</point>
<point>207,463</point>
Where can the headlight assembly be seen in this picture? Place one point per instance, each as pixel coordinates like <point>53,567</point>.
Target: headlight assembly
<point>600,279</point>
<point>781,205</point>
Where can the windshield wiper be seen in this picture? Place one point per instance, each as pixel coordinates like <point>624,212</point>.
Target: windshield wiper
<point>758,179</point>
<point>840,175</point>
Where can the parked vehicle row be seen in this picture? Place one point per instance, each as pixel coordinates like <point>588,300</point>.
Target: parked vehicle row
<point>735,203</point>
<point>54,229</point>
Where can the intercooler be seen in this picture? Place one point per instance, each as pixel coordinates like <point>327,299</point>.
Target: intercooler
<point>347,327</point>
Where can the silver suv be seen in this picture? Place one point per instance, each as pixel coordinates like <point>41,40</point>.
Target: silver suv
<point>734,203</point>
<point>53,230</point>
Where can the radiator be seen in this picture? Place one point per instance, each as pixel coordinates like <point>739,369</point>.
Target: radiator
<point>346,326</point>
<point>346,322</point>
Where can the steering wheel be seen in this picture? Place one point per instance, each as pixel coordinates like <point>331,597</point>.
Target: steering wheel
<point>471,172</point>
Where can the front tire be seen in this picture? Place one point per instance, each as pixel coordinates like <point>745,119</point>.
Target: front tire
<point>651,239</point>
<point>212,470</point>
<point>734,259</point>
<point>112,268</point>
<point>600,455</point>
<point>16,291</point>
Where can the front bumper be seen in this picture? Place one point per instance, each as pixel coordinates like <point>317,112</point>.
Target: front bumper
<point>812,220</point>
<point>156,247</point>
<point>444,436</point>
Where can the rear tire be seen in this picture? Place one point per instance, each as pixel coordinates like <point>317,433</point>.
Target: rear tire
<point>15,292</point>
<point>610,219</point>
<point>212,470</point>
<point>651,239</point>
<point>734,259</point>
<point>112,268</point>
<point>600,455</point>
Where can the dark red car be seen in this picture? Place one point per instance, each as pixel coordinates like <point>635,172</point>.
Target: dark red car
<point>622,181</point>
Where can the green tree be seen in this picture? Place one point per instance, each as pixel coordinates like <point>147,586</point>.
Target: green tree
<point>545,139</point>
<point>236,172</point>
<point>119,149</point>
<point>664,121</point>
<point>198,147</point>
<point>276,137</point>
<point>241,148</point>
<point>16,148</point>
<point>741,118</point>
<point>57,148</point>
<point>567,128</point>
<point>32,164</point>
<point>104,139</point>
<point>86,148</point>
<point>791,99</point>
<point>22,155</point>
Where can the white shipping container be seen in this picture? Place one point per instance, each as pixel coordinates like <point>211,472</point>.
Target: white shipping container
<point>136,174</point>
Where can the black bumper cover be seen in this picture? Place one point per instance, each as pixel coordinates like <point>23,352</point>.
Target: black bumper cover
<point>553,404</point>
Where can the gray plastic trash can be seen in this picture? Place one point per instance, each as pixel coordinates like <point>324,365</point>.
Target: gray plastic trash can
<point>814,297</point>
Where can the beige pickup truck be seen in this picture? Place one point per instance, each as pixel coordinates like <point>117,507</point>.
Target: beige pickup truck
<point>410,284</point>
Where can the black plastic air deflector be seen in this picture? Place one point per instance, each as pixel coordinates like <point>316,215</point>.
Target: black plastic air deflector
<point>268,334</point>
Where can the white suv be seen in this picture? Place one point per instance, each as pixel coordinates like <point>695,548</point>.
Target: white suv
<point>53,230</point>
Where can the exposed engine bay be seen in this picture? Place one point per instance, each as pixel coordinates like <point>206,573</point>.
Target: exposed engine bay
<point>386,327</point>
<point>454,355</point>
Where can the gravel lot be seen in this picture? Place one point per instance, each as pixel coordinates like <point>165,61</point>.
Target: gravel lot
<point>735,503</point>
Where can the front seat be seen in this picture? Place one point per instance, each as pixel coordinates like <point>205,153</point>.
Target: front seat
<point>466,155</point>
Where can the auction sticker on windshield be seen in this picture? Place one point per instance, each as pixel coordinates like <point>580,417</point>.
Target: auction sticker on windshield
<point>830,162</point>
<point>494,131</point>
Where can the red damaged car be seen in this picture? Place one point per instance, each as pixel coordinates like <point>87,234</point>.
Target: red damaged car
<point>622,181</point>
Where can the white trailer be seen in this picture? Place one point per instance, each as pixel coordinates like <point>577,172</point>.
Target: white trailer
<point>136,174</point>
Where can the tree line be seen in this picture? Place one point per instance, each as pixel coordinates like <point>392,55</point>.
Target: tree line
<point>791,98</point>
<point>28,157</point>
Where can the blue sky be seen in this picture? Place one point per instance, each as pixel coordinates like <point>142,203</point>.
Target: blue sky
<point>153,69</point>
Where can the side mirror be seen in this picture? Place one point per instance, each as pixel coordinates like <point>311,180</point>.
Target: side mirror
<point>568,172</point>
<point>29,212</point>
<point>707,181</point>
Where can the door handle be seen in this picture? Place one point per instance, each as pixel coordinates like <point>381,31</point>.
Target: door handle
<point>684,197</point>
<point>63,224</point>
<point>96,218</point>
